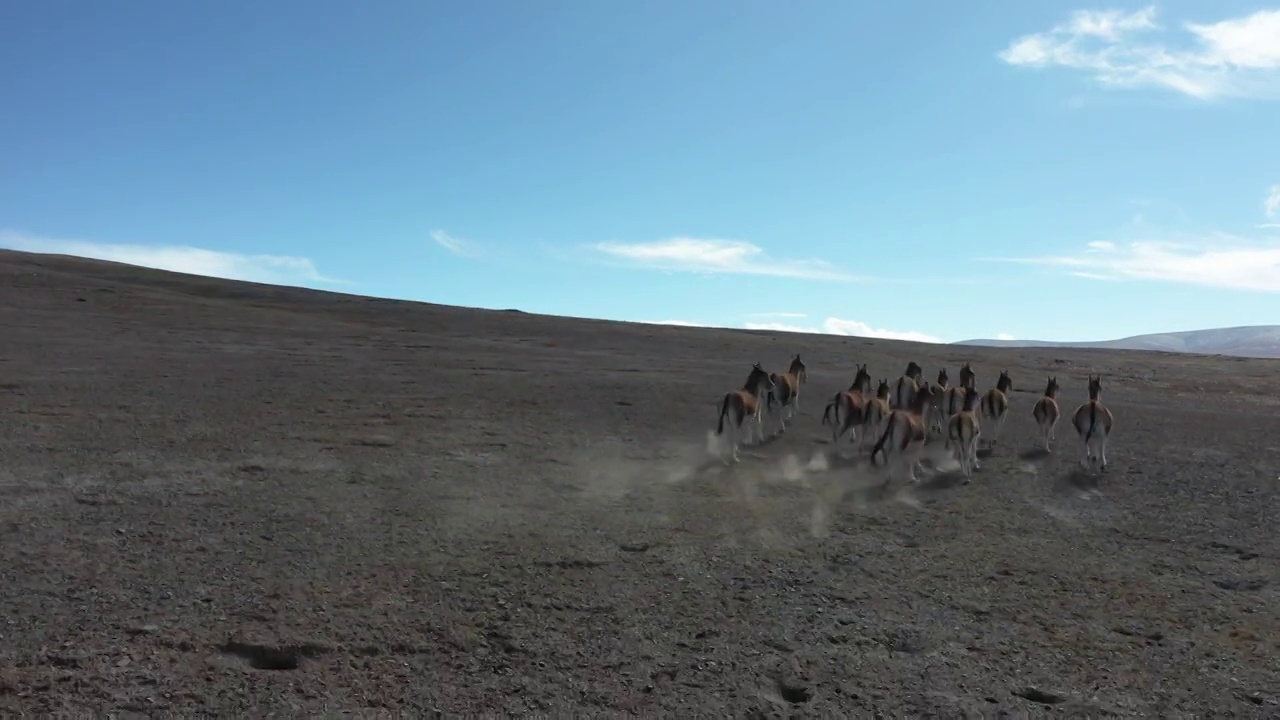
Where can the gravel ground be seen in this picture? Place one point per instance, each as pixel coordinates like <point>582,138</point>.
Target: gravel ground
<point>255,501</point>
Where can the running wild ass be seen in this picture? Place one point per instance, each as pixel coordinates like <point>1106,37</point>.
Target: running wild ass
<point>786,389</point>
<point>1046,412</point>
<point>995,405</point>
<point>964,430</point>
<point>953,398</point>
<point>906,386</point>
<point>877,413</point>
<point>1092,421</point>
<point>936,415</point>
<point>902,442</point>
<point>744,404</point>
<point>853,402</point>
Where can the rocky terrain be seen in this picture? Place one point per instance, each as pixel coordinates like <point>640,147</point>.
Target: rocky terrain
<point>252,501</point>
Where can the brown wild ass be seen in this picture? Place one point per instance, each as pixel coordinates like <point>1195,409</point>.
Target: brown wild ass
<point>786,390</point>
<point>744,403</point>
<point>995,405</point>
<point>854,402</point>
<point>877,413</point>
<point>935,414</point>
<point>904,437</point>
<point>964,430</point>
<point>904,390</point>
<point>1092,421</point>
<point>953,398</point>
<point>1046,412</point>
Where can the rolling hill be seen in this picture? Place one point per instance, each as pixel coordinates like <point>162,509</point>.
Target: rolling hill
<point>1257,341</point>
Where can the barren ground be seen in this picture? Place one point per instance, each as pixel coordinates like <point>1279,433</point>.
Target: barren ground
<point>260,501</point>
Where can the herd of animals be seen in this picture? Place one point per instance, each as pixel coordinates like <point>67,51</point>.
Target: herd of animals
<point>900,418</point>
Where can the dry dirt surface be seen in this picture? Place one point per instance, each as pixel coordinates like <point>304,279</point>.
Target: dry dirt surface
<point>252,501</point>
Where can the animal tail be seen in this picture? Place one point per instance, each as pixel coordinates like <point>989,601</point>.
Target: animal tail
<point>724,410</point>
<point>1093,421</point>
<point>833,411</point>
<point>879,446</point>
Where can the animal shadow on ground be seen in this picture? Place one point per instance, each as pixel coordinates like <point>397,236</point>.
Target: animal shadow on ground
<point>1033,454</point>
<point>261,657</point>
<point>1076,480</point>
<point>941,480</point>
<point>985,452</point>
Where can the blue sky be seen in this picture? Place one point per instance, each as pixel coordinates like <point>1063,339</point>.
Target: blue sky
<point>1031,170</point>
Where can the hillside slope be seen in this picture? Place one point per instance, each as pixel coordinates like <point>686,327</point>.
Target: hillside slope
<point>248,501</point>
<point>1260,341</point>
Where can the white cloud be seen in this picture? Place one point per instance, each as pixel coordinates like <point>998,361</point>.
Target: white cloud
<point>1237,57</point>
<point>683,254</point>
<point>1222,261</point>
<point>838,326</point>
<point>677,323</point>
<point>1005,336</point>
<point>1271,206</point>
<point>457,246</point>
<point>272,269</point>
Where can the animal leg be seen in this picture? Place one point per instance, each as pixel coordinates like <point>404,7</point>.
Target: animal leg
<point>1102,452</point>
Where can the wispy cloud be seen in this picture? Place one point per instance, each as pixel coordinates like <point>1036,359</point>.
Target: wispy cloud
<point>695,255</point>
<point>457,246</point>
<point>677,323</point>
<point>1005,336</point>
<point>272,269</point>
<point>1221,261</point>
<point>1236,57</point>
<point>1271,206</point>
<point>839,326</point>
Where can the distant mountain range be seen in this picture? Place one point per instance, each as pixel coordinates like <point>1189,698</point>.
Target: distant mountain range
<point>1257,341</point>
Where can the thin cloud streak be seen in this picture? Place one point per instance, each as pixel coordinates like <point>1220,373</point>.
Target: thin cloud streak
<point>1228,263</point>
<point>711,256</point>
<point>854,328</point>
<point>457,246</point>
<point>1271,206</point>
<point>1236,57</point>
<point>270,269</point>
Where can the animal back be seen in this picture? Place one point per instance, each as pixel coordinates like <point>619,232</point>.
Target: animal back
<point>1046,410</point>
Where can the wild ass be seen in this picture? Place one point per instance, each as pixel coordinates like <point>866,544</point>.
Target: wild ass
<point>995,405</point>
<point>1092,421</point>
<point>936,415</point>
<point>740,404</point>
<point>904,390</point>
<point>854,402</point>
<point>876,413</point>
<point>953,398</point>
<point>964,430</point>
<point>904,436</point>
<point>1046,412</point>
<point>786,389</point>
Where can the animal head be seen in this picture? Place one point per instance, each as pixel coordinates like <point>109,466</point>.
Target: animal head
<point>1095,386</point>
<point>922,397</point>
<point>798,368</point>
<point>914,371</point>
<point>1051,387</point>
<point>882,390</point>
<point>759,378</point>
<point>1005,383</point>
<point>942,377</point>
<point>967,375</point>
<point>862,379</point>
